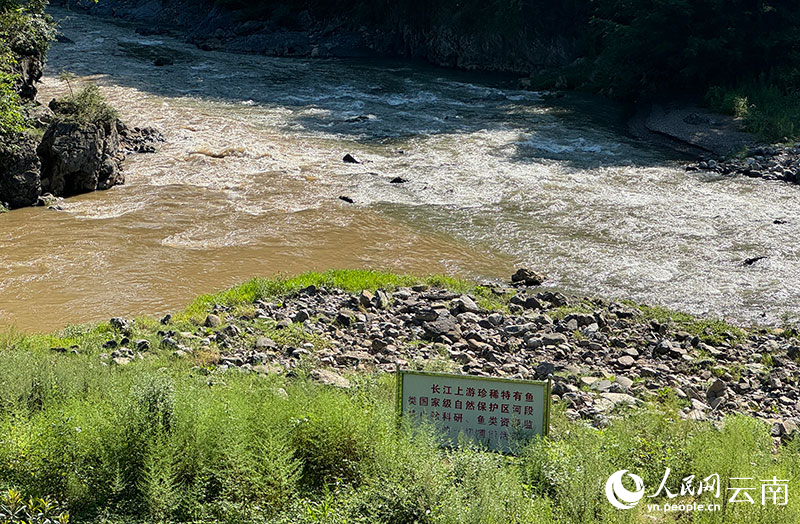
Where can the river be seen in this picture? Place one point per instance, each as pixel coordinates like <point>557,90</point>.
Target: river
<point>249,180</point>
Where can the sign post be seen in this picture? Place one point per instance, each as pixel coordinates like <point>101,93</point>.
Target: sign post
<point>495,412</point>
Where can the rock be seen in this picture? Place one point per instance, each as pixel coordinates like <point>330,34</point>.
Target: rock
<point>545,369</point>
<point>347,199</point>
<point>350,159</point>
<point>166,320</point>
<point>444,326</point>
<point>121,361</point>
<point>717,389</point>
<point>527,277</point>
<point>626,361</point>
<point>212,321</point>
<point>464,304</point>
<point>382,299</point>
<point>601,385</point>
<point>301,316</point>
<point>581,319</point>
<point>344,317</point>
<point>365,299</point>
<point>266,343</point>
<point>268,369</point>
<point>20,180</point>
<point>79,158</point>
<point>329,378</point>
<point>554,339</point>
<point>122,325</point>
<point>398,180</point>
<point>624,382</point>
<point>753,260</point>
<point>619,399</point>
<point>142,344</point>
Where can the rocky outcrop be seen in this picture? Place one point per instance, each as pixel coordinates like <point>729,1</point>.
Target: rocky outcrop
<point>20,181</point>
<point>80,158</point>
<point>29,71</point>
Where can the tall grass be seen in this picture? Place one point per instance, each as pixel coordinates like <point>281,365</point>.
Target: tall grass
<point>159,441</point>
<point>766,110</point>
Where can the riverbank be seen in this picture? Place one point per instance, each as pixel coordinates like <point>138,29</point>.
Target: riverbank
<point>71,145</point>
<point>272,402</point>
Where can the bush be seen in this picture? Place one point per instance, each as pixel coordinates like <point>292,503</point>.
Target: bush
<point>25,28</point>
<point>86,107</point>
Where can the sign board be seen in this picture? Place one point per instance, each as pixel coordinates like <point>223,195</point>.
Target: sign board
<point>495,412</point>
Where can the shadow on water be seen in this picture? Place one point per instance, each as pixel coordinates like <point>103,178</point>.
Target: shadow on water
<point>376,102</point>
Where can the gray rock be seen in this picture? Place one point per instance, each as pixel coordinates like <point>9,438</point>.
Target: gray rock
<point>80,158</point>
<point>444,326</point>
<point>626,361</point>
<point>464,304</point>
<point>365,299</point>
<point>554,339</point>
<point>212,321</point>
<point>329,378</point>
<point>545,369</point>
<point>382,299</point>
<point>265,343</point>
<point>301,316</point>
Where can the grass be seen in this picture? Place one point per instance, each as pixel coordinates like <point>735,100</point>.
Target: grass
<point>769,112</point>
<point>155,442</point>
<point>710,330</point>
<point>165,440</point>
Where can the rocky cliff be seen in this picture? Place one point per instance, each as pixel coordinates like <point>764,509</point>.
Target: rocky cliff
<point>211,26</point>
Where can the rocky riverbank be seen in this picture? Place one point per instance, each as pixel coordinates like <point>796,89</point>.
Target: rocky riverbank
<point>770,162</point>
<point>603,356</point>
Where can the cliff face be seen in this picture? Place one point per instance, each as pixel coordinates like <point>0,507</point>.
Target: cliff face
<point>214,27</point>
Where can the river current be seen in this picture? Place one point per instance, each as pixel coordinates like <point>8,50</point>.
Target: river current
<point>249,180</point>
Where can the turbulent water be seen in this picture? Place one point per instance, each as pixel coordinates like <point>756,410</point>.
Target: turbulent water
<point>249,182</point>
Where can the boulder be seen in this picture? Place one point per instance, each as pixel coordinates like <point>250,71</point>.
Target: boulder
<point>445,325</point>
<point>79,158</point>
<point>527,277</point>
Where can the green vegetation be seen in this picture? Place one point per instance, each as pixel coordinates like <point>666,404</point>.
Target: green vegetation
<point>12,120</point>
<point>160,441</point>
<point>710,330</point>
<point>25,28</point>
<point>14,508</point>
<point>85,107</point>
<point>176,440</point>
<point>768,110</point>
<point>25,31</point>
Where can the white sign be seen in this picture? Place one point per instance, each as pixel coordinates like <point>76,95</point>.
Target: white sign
<point>492,411</point>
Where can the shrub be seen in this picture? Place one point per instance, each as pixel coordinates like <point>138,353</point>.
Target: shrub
<point>86,107</point>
